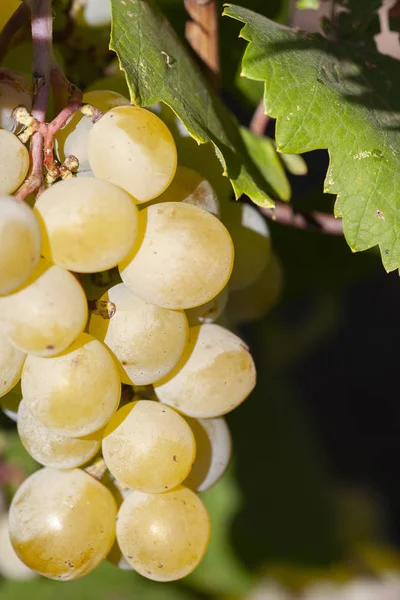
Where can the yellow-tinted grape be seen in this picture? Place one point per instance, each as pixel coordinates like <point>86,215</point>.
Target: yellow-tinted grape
<point>72,139</point>
<point>51,449</point>
<point>62,523</point>
<point>46,315</point>
<point>190,187</point>
<point>163,536</point>
<point>148,446</point>
<point>251,238</point>
<point>11,567</point>
<point>213,452</point>
<point>76,392</point>
<point>132,148</point>
<point>20,243</point>
<point>88,225</point>
<point>11,363</point>
<point>185,257</point>
<point>7,9</point>
<point>14,162</point>
<point>215,375</point>
<point>147,340</point>
<point>252,302</point>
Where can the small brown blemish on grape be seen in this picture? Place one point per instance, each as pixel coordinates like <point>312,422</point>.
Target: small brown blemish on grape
<point>160,565</point>
<point>49,347</point>
<point>174,457</point>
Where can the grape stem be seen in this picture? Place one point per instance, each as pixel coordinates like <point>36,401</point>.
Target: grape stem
<point>259,121</point>
<point>202,34</point>
<point>286,214</point>
<point>42,31</point>
<point>17,21</point>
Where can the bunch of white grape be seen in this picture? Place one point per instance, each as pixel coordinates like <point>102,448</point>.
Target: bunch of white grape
<point>144,382</point>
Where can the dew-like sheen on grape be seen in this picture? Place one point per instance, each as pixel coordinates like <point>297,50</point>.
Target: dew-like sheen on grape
<point>62,523</point>
<point>74,393</point>
<point>52,449</point>
<point>46,315</point>
<point>147,340</point>
<point>185,257</point>
<point>11,363</point>
<point>215,374</point>
<point>148,447</point>
<point>163,536</point>
<point>88,225</point>
<point>132,148</point>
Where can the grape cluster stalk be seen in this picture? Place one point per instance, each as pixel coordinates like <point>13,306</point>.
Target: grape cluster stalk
<point>120,290</point>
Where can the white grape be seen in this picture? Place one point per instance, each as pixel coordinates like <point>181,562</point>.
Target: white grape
<point>15,90</point>
<point>215,375</point>
<point>20,242</point>
<point>72,139</point>
<point>148,447</point>
<point>252,241</point>
<point>76,392</point>
<point>52,449</point>
<point>47,314</point>
<point>210,311</point>
<point>97,13</point>
<point>11,567</point>
<point>14,162</point>
<point>213,452</point>
<point>185,257</point>
<point>163,536</point>
<point>132,148</point>
<point>191,187</point>
<point>147,340</point>
<point>62,523</point>
<point>252,302</point>
<point>7,9</point>
<point>88,225</point>
<point>11,363</point>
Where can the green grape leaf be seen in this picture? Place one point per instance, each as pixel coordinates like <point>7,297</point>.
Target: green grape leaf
<point>262,151</point>
<point>340,97</point>
<point>158,68</point>
<point>357,16</point>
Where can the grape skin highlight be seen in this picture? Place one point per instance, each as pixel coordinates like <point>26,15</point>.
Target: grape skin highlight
<point>148,447</point>
<point>163,536</point>
<point>11,363</point>
<point>88,225</point>
<point>14,162</point>
<point>132,148</point>
<point>215,375</point>
<point>74,393</point>
<point>62,523</point>
<point>52,449</point>
<point>185,257</point>
<point>147,340</point>
<point>46,315</point>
